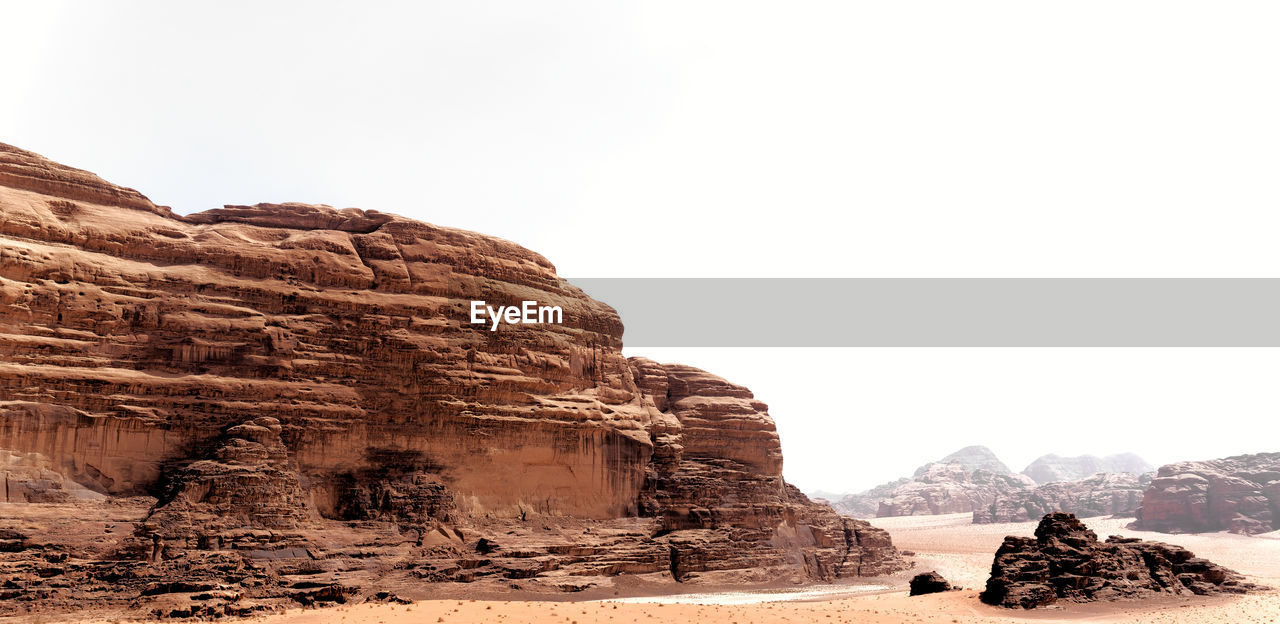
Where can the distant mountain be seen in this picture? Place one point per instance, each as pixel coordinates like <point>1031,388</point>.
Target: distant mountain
<point>972,458</point>
<point>966,480</point>
<point>973,479</point>
<point>1054,468</point>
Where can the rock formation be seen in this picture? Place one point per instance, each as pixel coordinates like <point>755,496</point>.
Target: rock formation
<point>967,480</point>
<point>300,395</point>
<point>1054,468</point>
<point>1102,494</point>
<point>1240,494</point>
<point>974,480</point>
<point>1065,561</point>
<point>929,583</point>
<point>949,488</point>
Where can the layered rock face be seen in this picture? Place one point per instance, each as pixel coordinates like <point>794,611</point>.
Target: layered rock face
<point>269,372</point>
<point>1099,495</point>
<point>1065,561</point>
<point>714,437</point>
<point>1240,494</point>
<point>1054,468</point>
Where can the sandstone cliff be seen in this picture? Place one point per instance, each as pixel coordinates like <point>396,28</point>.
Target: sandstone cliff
<point>1240,494</point>
<point>300,395</point>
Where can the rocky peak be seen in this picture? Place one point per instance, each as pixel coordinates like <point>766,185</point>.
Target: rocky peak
<point>1065,527</point>
<point>972,458</point>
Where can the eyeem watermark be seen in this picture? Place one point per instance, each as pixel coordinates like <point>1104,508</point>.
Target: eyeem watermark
<point>526,312</point>
<point>929,312</point>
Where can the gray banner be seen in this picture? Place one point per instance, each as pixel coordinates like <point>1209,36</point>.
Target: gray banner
<point>696,312</point>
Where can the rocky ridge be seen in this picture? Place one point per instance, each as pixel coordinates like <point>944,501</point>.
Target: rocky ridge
<point>280,404</point>
<point>1066,561</point>
<point>973,480</point>
<point>1102,494</point>
<point>1240,494</point>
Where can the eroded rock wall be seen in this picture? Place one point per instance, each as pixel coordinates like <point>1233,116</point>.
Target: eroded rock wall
<point>1240,494</point>
<point>130,336</point>
<point>278,375</point>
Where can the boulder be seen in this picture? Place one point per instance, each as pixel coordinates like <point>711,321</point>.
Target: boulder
<point>929,583</point>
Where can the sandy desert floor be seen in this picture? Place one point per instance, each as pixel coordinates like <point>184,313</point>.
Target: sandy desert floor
<point>949,544</point>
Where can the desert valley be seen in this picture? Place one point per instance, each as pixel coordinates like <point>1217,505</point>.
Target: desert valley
<point>284,411</point>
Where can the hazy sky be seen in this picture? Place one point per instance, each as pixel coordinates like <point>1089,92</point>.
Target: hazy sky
<point>654,139</point>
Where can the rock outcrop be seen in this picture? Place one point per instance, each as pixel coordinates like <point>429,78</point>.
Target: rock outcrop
<point>1065,561</point>
<point>1099,495</point>
<point>302,394</point>
<point>1240,494</point>
<point>1054,468</point>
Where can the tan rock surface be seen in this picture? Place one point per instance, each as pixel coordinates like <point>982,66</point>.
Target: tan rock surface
<point>302,392</point>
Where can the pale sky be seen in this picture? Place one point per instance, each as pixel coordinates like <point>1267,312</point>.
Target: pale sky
<point>743,139</point>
